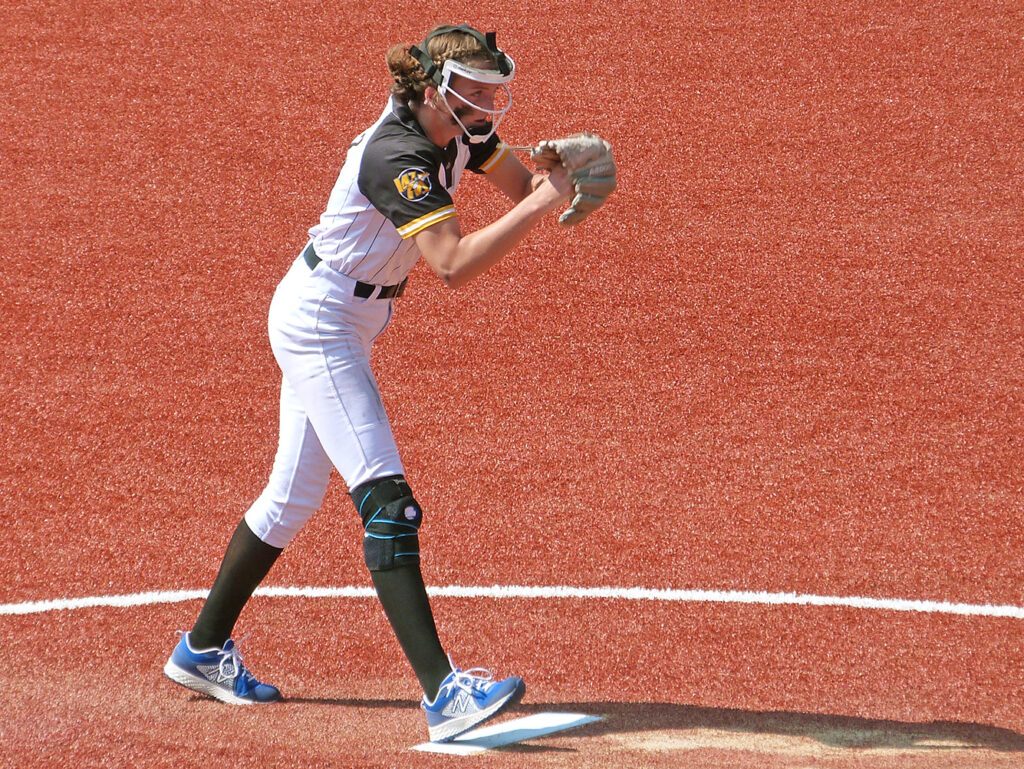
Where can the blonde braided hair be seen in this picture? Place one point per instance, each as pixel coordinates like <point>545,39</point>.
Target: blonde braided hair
<point>410,78</point>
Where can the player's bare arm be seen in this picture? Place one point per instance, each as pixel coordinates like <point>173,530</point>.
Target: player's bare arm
<point>458,259</point>
<point>514,179</point>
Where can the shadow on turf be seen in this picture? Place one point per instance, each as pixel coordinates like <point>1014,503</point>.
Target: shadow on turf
<point>832,731</point>
<point>828,730</point>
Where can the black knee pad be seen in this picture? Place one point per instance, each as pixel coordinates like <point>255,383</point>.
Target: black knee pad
<point>391,520</point>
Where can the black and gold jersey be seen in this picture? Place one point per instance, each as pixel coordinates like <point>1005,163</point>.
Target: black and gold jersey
<point>394,183</point>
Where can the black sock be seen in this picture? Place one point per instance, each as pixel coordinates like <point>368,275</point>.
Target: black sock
<point>404,598</point>
<point>246,562</point>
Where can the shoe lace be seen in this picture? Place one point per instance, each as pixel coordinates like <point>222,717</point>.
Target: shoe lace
<point>231,664</point>
<point>474,681</point>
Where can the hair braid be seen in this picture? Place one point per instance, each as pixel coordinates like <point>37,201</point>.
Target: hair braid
<point>410,79</point>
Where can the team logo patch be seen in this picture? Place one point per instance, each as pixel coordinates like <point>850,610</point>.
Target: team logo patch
<point>413,184</point>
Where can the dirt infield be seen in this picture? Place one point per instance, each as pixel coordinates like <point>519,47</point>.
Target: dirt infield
<point>786,357</point>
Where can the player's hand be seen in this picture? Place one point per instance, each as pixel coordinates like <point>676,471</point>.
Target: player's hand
<point>560,179</point>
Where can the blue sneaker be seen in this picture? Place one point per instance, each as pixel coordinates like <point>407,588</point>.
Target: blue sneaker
<point>467,699</point>
<point>218,673</point>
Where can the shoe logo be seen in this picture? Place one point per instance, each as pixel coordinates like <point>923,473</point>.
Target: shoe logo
<point>460,704</point>
<point>411,513</point>
<point>217,673</point>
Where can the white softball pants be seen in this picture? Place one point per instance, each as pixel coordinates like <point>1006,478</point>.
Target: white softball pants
<point>331,411</point>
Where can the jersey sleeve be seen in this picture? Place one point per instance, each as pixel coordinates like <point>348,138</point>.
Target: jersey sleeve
<point>485,157</point>
<point>403,185</point>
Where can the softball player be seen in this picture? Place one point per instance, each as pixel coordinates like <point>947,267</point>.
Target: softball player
<point>391,204</point>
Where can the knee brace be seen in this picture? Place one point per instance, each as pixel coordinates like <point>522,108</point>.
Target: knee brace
<point>391,520</point>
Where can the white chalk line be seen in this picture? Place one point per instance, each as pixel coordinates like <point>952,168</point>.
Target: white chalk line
<point>553,592</point>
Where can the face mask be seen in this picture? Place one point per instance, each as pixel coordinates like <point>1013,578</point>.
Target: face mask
<point>476,134</point>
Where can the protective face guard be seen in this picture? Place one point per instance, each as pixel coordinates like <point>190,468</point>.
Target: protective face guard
<point>488,76</point>
<point>505,72</point>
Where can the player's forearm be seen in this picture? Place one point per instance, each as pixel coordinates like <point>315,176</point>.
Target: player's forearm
<point>530,183</point>
<point>478,251</point>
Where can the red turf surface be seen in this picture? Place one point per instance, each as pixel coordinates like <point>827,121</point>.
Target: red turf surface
<point>787,356</point>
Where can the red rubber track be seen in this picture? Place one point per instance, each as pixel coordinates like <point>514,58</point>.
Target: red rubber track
<point>785,357</point>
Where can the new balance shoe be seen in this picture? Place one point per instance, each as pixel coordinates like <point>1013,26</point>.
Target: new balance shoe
<point>467,699</point>
<point>218,673</point>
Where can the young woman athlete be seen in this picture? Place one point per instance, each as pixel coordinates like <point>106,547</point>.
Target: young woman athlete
<point>391,204</point>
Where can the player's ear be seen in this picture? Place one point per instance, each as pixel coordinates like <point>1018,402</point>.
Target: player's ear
<point>429,96</point>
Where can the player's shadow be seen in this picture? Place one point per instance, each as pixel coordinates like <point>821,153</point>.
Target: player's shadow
<point>663,726</point>
<point>668,726</point>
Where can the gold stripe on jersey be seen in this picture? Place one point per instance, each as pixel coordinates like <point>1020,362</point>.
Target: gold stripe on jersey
<point>417,225</point>
<point>494,160</point>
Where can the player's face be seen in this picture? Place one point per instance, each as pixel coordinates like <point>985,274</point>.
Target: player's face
<point>482,95</point>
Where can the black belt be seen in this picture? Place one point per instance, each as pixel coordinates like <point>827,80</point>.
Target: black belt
<point>362,290</point>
